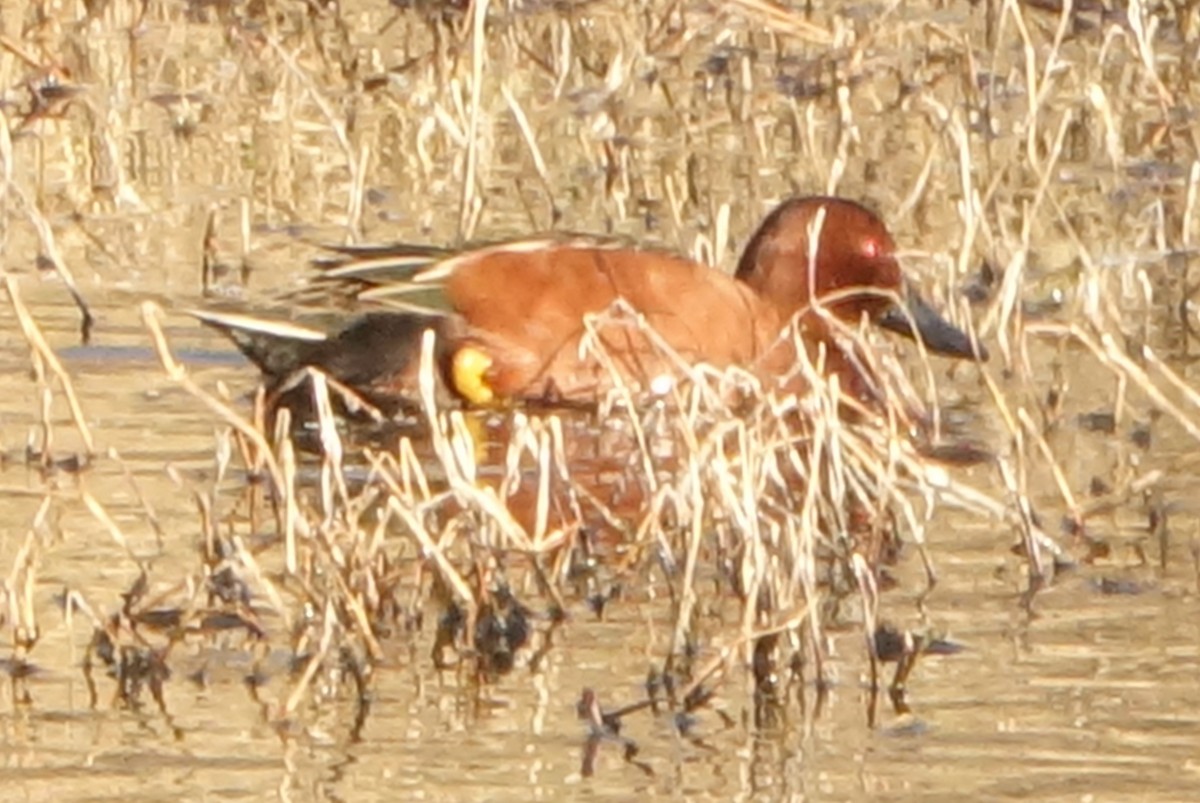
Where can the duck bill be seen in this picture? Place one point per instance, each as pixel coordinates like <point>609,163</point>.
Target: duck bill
<point>919,321</point>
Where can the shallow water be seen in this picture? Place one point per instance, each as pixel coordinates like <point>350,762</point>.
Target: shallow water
<point>1090,691</point>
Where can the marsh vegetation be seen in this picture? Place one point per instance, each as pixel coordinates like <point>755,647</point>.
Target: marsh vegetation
<point>683,595</point>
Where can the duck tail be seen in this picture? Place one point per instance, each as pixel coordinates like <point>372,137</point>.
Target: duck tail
<point>278,348</point>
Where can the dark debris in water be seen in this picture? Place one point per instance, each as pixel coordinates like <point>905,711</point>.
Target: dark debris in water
<point>136,668</point>
<point>893,644</point>
<point>160,619</point>
<point>1102,421</point>
<point>503,628</point>
<point>227,620</point>
<point>49,465</point>
<point>1141,436</point>
<point>18,669</point>
<point>1109,586</point>
<point>959,453</point>
<point>978,288</point>
<point>806,79</point>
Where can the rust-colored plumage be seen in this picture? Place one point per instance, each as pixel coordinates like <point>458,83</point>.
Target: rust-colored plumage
<point>524,319</point>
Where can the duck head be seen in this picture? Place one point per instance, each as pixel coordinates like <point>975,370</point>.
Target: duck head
<point>854,272</point>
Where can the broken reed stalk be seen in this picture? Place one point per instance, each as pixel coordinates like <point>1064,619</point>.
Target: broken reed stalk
<point>782,20</point>
<point>471,202</point>
<point>44,355</point>
<point>46,240</point>
<point>707,483</point>
<point>358,191</point>
<point>18,591</point>
<point>827,443</point>
<point>106,521</point>
<point>723,486</point>
<point>749,485</point>
<point>314,663</point>
<point>1020,512</point>
<point>263,581</point>
<point>152,318</point>
<point>148,509</point>
<point>1105,349</point>
<point>535,153</point>
<point>291,511</point>
<point>337,126</point>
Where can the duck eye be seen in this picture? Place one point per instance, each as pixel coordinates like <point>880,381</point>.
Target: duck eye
<point>871,248</point>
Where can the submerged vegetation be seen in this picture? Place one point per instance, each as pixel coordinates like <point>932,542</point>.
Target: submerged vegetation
<point>1041,158</point>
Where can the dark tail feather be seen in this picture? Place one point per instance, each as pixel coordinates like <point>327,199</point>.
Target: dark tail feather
<point>378,355</point>
<point>277,348</point>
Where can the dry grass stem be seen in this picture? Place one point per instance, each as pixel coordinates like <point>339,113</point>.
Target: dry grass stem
<point>44,355</point>
<point>1036,160</point>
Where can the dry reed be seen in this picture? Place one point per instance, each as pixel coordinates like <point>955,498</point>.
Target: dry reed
<point>1002,135</point>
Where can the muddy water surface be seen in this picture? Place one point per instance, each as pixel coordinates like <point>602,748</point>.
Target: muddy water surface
<point>649,122</point>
